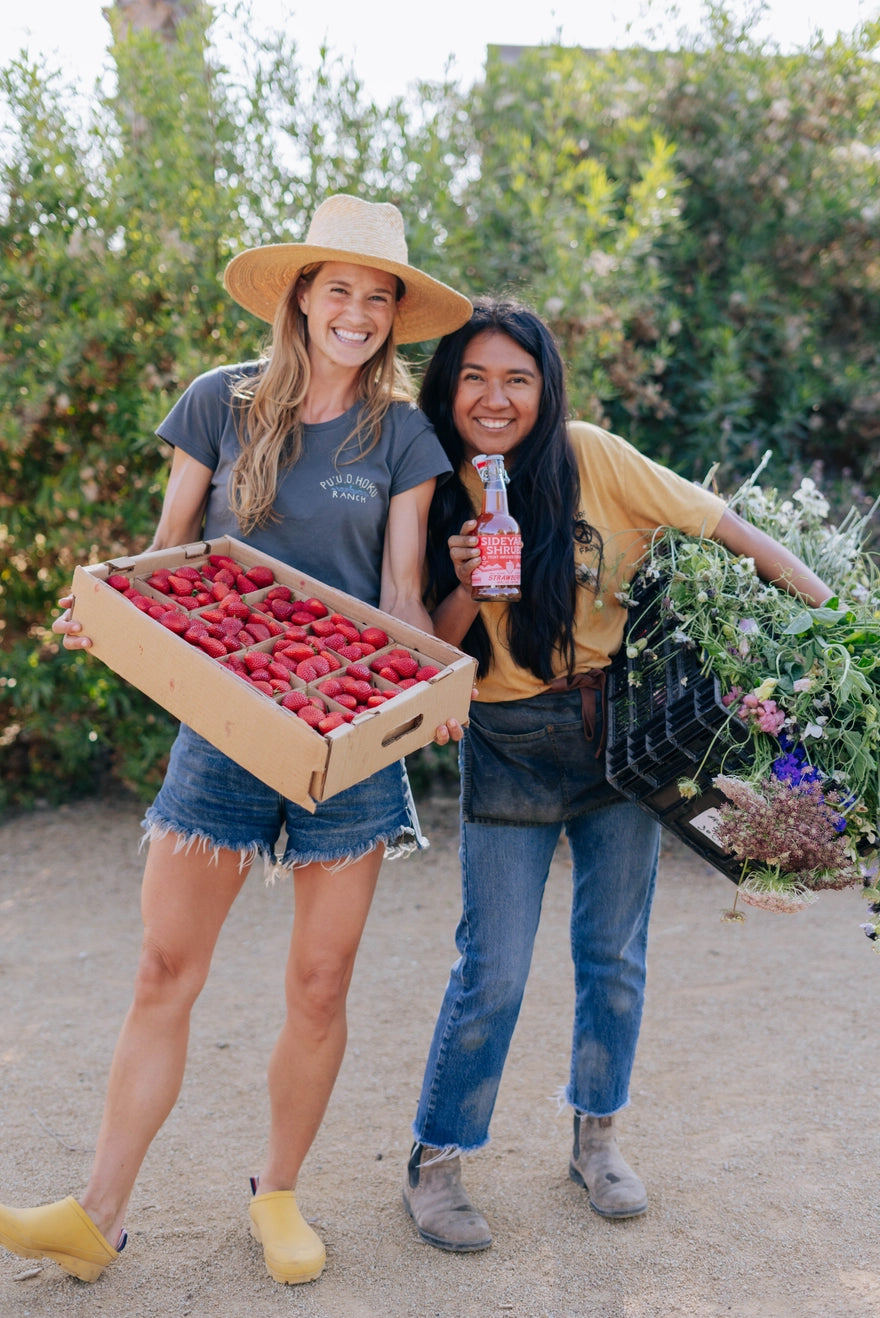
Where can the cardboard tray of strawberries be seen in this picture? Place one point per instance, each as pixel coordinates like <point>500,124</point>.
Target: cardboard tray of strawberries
<point>305,686</point>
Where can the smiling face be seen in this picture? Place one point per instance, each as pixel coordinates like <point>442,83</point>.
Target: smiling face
<point>350,310</point>
<point>498,395</point>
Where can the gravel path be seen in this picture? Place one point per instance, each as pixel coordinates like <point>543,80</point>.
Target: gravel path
<point>754,1119</point>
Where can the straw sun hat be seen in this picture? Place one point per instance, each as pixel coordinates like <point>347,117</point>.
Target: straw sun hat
<point>358,232</point>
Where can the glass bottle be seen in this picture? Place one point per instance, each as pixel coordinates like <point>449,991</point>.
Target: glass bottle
<point>498,537</point>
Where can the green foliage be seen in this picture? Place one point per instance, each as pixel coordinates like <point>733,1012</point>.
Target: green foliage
<point>699,227</point>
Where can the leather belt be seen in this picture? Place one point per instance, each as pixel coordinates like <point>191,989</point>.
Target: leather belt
<point>591,685</point>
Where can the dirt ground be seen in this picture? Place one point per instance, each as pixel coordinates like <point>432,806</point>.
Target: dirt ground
<point>754,1120</point>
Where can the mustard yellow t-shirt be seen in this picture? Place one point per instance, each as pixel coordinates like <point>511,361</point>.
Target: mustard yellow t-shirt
<point>625,497</point>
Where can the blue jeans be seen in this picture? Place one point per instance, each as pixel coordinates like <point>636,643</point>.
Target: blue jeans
<point>527,774</point>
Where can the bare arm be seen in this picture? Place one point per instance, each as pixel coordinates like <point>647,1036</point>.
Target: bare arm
<point>402,564</point>
<point>180,522</point>
<point>404,556</point>
<point>774,563</point>
<point>453,615</point>
<point>183,508</point>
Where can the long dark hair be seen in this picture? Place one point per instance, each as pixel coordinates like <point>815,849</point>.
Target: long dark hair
<point>543,495</point>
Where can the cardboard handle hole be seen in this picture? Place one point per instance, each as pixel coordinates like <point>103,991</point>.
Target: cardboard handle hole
<point>402,731</point>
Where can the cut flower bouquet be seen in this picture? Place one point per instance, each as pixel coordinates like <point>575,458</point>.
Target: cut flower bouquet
<point>802,682</point>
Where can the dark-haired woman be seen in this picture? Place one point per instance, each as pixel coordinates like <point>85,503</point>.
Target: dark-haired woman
<point>531,759</point>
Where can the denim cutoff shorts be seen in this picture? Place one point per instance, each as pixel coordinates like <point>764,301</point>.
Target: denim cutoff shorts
<point>208,800</point>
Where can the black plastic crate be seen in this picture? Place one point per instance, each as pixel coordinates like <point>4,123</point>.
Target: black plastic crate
<point>666,722</point>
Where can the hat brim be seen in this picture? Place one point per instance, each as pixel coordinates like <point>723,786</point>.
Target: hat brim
<point>257,279</point>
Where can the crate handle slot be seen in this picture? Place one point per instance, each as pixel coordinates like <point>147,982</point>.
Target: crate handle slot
<point>402,731</point>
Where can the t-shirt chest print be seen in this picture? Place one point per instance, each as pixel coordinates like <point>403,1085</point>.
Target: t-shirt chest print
<point>349,487</point>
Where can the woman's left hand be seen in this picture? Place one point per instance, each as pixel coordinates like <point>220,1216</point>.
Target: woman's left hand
<point>451,730</point>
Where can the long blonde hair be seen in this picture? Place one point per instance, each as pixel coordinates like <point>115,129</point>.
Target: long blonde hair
<point>269,409</point>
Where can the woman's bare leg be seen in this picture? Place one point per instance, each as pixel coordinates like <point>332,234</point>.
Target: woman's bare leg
<point>330,914</point>
<point>185,899</point>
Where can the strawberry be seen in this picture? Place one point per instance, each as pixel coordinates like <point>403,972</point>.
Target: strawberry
<point>320,665</point>
<point>390,674</point>
<point>302,617</point>
<point>279,684</point>
<point>348,630</point>
<point>294,633</point>
<point>295,700</point>
<point>256,659</point>
<point>310,715</point>
<point>330,659</point>
<point>156,610</point>
<point>330,721</point>
<point>226,576</point>
<point>316,607</point>
<point>360,672</point>
<point>274,669</point>
<point>297,650</point>
<point>216,649</point>
<point>223,560</point>
<point>405,665</point>
<point>244,585</point>
<point>323,627</point>
<point>331,687</point>
<point>350,652</point>
<point>306,672</point>
<point>261,576</point>
<point>280,593</point>
<point>119,581</point>
<point>196,631</point>
<point>285,662</point>
<point>188,573</point>
<point>259,685</point>
<point>232,643</point>
<point>220,589</point>
<point>406,682</point>
<point>258,631</point>
<point>426,672</point>
<point>282,609</point>
<point>374,636</point>
<point>334,641</point>
<point>180,585</point>
<point>347,700</point>
<point>376,699</point>
<point>175,621</point>
<point>237,608</point>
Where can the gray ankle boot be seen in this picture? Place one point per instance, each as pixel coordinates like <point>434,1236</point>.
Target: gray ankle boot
<point>436,1201</point>
<point>596,1164</point>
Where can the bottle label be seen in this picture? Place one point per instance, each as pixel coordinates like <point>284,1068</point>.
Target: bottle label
<point>500,557</point>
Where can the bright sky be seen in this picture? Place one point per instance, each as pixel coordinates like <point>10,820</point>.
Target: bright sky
<point>393,43</point>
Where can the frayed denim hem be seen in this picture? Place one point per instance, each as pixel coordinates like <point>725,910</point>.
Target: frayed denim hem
<point>563,1101</point>
<point>156,829</point>
<point>447,1151</point>
<point>399,844</point>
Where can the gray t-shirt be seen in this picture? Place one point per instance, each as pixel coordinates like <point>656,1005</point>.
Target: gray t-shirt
<point>332,516</point>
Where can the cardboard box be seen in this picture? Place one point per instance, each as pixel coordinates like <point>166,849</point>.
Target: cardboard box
<point>249,726</point>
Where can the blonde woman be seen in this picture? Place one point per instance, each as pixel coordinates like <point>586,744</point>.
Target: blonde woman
<point>317,455</point>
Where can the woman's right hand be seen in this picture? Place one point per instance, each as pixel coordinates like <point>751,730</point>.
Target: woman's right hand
<point>464,552</point>
<point>69,628</point>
